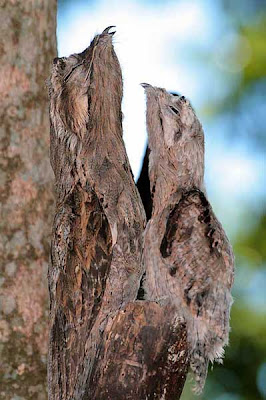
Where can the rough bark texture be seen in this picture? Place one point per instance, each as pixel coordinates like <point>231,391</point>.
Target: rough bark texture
<point>103,343</point>
<point>144,356</point>
<point>27,45</point>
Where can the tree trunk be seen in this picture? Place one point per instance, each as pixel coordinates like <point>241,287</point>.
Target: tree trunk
<point>104,344</point>
<point>28,44</point>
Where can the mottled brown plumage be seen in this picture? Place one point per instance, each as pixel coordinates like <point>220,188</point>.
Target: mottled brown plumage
<point>97,236</point>
<point>188,258</point>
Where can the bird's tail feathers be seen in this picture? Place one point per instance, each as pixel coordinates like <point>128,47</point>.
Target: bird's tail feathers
<point>206,346</point>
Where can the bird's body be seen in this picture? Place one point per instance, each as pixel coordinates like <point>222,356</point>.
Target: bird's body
<point>188,259</point>
<point>97,237</point>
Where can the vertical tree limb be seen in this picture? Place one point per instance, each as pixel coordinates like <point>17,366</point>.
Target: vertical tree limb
<point>27,44</point>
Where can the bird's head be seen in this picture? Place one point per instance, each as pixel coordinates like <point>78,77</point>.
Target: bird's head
<point>176,138</point>
<point>174,117</point>
<point>70,81</point>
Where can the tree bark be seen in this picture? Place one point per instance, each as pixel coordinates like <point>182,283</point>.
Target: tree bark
<point>27,45</point>
<point>104,344</point>
<point>144,356</point>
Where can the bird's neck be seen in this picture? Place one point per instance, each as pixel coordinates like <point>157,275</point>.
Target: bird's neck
<point>168,177</point>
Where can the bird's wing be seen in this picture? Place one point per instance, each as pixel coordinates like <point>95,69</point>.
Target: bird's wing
<point>81,259</point>
<point>198,254</point>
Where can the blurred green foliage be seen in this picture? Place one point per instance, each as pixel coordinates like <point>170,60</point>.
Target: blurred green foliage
<point>251,244</point>
<point>255,34</point>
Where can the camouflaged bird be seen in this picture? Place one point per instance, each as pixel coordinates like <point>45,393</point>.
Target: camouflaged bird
<point>188,259</point>
<point>97,236</point>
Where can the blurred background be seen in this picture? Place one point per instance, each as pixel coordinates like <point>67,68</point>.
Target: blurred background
<point>213,52</point>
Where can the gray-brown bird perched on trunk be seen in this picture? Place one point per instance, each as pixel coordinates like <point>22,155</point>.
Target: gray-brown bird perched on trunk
<point>188,259</point>
<point>97,235</point>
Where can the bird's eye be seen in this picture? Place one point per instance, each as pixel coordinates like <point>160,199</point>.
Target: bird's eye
<point>56,60</point>
<point>59,63</point>
<point>174,110</point>
<point>72,70</point>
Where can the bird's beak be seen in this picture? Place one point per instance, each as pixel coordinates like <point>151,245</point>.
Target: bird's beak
<point>106,30</point>
<point>88,53</point>
<point>146,85</point>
